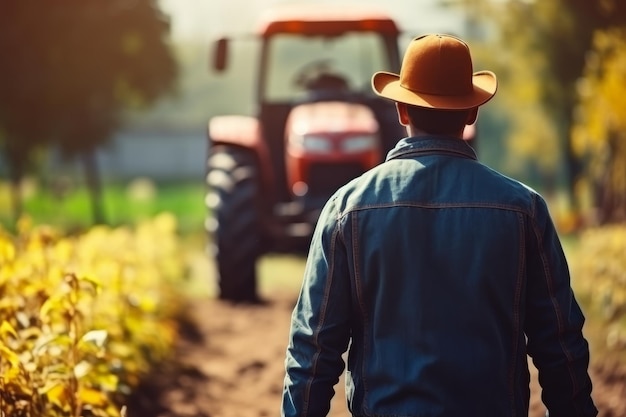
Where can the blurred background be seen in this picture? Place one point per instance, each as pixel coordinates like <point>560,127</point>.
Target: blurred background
<point>104,109</point>
<point>106,104</point>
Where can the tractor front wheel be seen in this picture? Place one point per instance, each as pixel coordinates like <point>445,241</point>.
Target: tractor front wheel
<point>233,222</point>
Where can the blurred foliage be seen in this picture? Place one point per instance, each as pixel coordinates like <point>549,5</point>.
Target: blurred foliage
<point>71,68</point>
<point>541,55</point>
<point>64,203</point>
<point>84,317</point>
<point>599,270</point>
<point>599,135</point>
<point>200,93</point>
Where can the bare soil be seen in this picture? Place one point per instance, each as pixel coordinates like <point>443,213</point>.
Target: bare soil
<point>229,363</point>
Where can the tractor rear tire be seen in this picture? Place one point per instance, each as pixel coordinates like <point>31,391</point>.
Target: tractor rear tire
<point>233,222</point>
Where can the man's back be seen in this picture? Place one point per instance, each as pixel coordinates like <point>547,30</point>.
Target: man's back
<point>438,304</point>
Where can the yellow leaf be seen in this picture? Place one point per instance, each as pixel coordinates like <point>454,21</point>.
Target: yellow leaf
<point>81,369</point>
<point>7,329</point>
<point>24,225</point>
<point>92,397</point>
<point>108,382</point>
<point>58,395</point>
<point>51,304</point>
<point>10,356</point>
<point>94,284</point>
<point>7,250</point>
<point>95,337</point>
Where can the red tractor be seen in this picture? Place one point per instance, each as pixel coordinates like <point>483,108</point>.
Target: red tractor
<point>317,126</point>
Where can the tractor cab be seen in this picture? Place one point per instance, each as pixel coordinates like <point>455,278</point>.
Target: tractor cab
<point>317,125</point>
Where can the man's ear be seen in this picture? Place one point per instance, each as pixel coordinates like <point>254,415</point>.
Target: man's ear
<point>403,114</point>
<point>472,115</point>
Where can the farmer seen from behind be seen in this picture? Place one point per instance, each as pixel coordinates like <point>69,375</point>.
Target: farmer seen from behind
<point>436,274</point>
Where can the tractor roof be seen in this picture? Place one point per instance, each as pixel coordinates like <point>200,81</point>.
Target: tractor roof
<point>325,19</point>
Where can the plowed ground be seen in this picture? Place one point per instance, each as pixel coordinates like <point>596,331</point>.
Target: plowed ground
<point>229,363</point>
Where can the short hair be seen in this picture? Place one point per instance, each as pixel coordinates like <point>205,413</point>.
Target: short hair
<point>438,122</point>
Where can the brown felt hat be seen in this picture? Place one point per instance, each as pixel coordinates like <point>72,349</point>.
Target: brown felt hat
<point>437,73</point>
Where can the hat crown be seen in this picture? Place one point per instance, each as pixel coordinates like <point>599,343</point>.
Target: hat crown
<point>437,73</point>
<point>437,65</point>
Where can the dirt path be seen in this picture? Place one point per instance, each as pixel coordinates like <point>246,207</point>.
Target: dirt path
<point>230,364</point>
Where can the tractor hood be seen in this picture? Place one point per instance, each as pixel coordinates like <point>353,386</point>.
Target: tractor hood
<point>331,118</point>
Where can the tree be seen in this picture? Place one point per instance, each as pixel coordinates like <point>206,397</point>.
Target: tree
<point>599,133</point>
<point>544,45</point>
<point>73,67</point>
<point>21,104</point>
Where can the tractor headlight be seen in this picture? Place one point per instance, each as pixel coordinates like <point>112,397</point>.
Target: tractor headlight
<point>360,143</point>
<point>311,143</point>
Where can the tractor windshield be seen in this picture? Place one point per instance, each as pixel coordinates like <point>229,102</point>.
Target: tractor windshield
<point>297,64</point>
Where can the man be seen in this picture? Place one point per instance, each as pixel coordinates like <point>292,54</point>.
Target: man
<point>437,274</point>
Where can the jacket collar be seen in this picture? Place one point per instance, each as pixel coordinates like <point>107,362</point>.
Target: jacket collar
<point>431,145</point>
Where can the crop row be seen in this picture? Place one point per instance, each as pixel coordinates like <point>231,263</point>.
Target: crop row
<point>600,272</point>
<point>84,317</point>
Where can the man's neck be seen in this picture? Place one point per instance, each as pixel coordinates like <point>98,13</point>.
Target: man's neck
<point>413,131</point>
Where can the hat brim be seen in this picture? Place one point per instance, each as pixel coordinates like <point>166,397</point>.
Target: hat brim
<point>387,85</point>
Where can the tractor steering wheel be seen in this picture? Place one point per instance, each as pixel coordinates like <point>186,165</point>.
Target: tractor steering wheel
<point>318,75</point>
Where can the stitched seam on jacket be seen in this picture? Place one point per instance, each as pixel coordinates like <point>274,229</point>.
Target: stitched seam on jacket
<point>320,324</point>
<point>430,152</point>
<point>359,295</point>
<point>435,206</point>
<point>516,311</point>
<point>557,310</point>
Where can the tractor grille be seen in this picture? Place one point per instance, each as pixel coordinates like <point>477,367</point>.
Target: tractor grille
<point>325,179</point>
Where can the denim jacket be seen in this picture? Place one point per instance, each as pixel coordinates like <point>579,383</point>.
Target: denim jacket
<point>438,276</point>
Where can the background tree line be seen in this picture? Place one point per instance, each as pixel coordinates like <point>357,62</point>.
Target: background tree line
<point>73,69</point>
<point>69,70</point>
<point>562,67</point>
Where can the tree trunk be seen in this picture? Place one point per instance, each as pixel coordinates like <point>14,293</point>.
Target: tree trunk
<point>611,199</point>
<point>16,169</point>
<point>94,185</point>
<point>572,166</point>
<point>571,174</point>
<point>16,199</point>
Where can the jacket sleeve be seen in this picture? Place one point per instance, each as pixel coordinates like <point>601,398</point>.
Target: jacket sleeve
<point>554,323</point>
<point>320,330</point>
